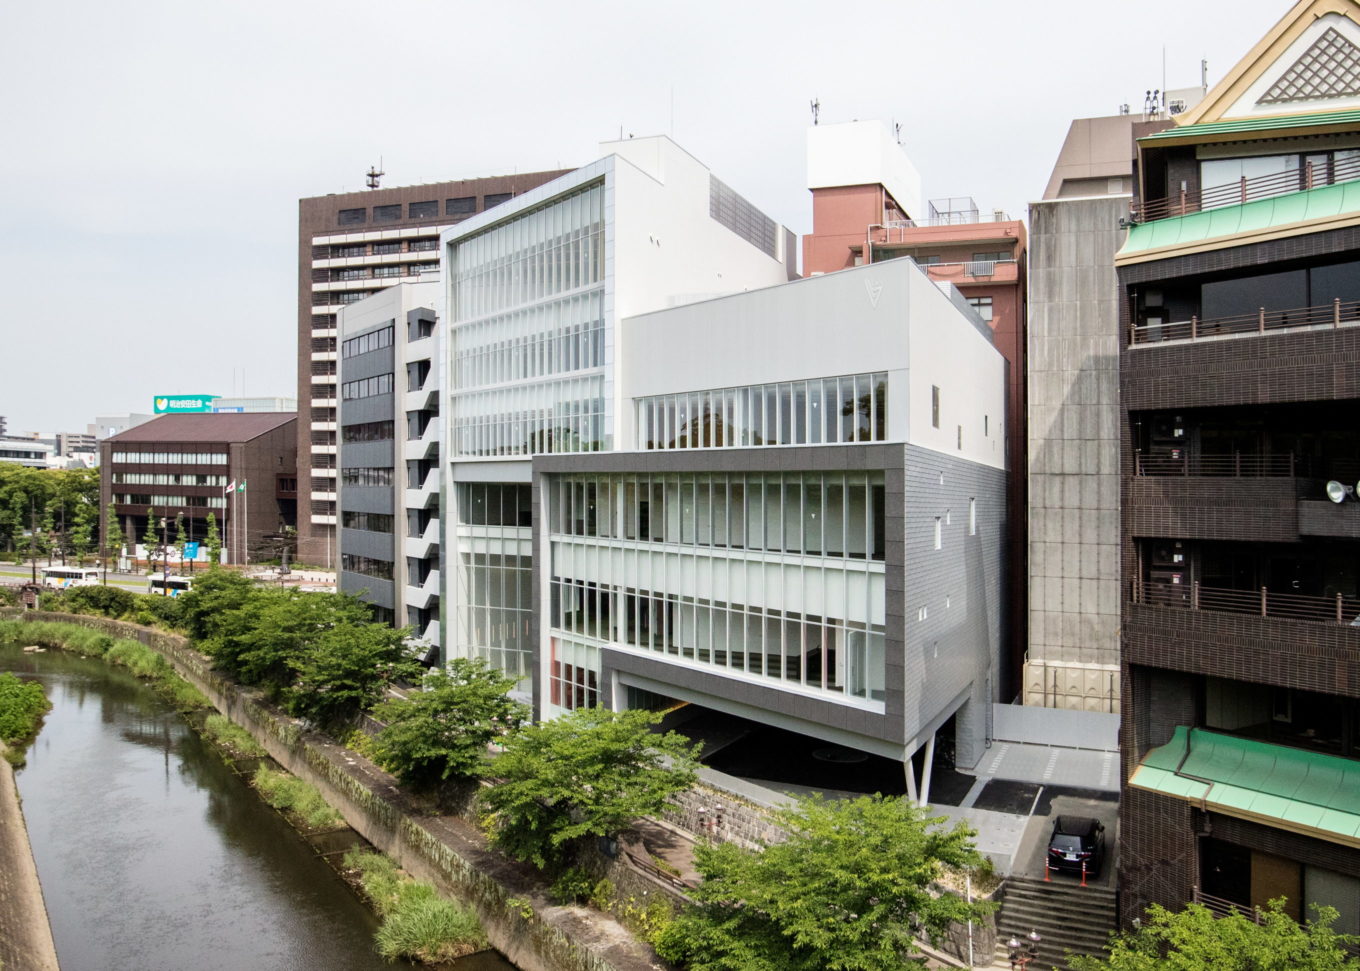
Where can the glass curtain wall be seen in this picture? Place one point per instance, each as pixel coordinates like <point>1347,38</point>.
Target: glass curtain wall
<point>527,353</point>
<point>709,569</point>
<point>848,408</point>
<point>494,574</point>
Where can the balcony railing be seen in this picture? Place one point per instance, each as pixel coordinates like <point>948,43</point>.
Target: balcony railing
<point>1220,907</point>
<point>1338,313</point>
<point>1247,190</point>
<point>1337,609</point>
<point>1234,465</point>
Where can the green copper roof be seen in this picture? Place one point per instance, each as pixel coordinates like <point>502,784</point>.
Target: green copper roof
<point>1263,214</point>
<point>1236,125</point>
<point>1291,788</point>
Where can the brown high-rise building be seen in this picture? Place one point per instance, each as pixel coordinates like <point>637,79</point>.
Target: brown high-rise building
<point>349,246</point>
<point>1239,300</point>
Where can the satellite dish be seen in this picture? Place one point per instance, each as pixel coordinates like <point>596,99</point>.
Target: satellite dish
<point>1338,492</point>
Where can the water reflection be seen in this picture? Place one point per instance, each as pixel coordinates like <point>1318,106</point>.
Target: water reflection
<point>154,854</point>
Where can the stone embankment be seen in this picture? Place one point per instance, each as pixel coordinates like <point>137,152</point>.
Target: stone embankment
<point>511,899</point>
<point>25,935</point>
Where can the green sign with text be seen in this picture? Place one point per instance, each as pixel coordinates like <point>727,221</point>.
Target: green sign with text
<point>179,404</point>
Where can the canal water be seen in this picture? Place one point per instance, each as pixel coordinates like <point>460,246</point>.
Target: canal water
<point>154,854</point>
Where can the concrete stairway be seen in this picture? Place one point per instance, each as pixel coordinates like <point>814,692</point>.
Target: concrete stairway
<point>1067,916</point>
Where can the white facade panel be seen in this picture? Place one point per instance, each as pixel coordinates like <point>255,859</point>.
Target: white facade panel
<point>863,153</point>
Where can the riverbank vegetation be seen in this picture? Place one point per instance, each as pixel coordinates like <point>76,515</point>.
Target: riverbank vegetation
<point>290,795</point>
<point>141,660</point>
<point>416,922</point>
<point>231,737</point>
<point>22,706</point>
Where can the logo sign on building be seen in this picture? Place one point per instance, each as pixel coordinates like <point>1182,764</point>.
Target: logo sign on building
<point>180,404</point>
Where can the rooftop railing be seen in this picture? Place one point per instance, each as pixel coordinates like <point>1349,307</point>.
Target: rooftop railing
<point>1338,313</point>
<point>1247,189</point>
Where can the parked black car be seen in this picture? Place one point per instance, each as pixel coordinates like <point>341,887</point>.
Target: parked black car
<point>1077,840</point>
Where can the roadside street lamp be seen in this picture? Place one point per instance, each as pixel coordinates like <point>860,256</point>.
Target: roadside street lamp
<point>1022,953</point>
<point>165,556</point>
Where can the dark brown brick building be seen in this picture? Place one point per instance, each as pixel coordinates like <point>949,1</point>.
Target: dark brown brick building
<point>349,246</point>
<point>181,465</point>
<point>1239,292</point>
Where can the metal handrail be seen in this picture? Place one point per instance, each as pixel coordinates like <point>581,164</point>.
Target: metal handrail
<point>1337,609</point>
<point>1246,190</point>
<point>1221,907</point>
<point>1337,313</point>
<point>1236,465</point>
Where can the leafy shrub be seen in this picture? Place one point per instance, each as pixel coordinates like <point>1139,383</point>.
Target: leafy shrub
<point>104,601</point>
<point>154,610</point>
<point>292,795</point>
<point>572,886</point>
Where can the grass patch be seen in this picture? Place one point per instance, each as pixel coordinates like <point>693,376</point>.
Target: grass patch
<point>291,795</point>
<point>22,706</point>
<point>416,922</point>
<point>230,736</point>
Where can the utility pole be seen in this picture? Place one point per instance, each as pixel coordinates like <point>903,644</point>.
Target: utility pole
<point>33,539</point>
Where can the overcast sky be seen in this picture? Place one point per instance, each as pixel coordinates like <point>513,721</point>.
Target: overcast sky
<point>154,152</point>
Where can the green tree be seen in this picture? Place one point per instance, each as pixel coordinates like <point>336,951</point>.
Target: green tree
<point>212,603</point>
<point>844,892</point>
<point>181,538</point>
<point>588,773</point>
<point>1194,939</point>
<point>111,539</point>
<point>80,537</point>
<point>343,670</point>
<point>151,538</point>
<point>213,541</point>
<point>442,732</point>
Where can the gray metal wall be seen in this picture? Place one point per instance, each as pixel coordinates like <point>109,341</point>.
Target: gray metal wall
<point>372,499</point>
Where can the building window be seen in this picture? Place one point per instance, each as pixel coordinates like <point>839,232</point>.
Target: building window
<point>383,249</point>
<point>350,296</point>
<point>930,260</point>
<point>492,199</point>
<point>373,522</point>
<point>990,257</point>
<point>935,406</point>
<point>460,207</point>
<point>983,306</point>
<point>939,533</point>
<point>366,477</point>
<point>960,445</point>
<point>366,387</point>
<point>345,252</point>
<point>389,271</point>
<point>368,342</point>
<point>352,217</point>
<point>366,565</point>
<point>386,214</point>
<point>972,517</point>
<point>371,431</point>
<point>421,245</point>
<point>423,210</point>
<point>353,273</point>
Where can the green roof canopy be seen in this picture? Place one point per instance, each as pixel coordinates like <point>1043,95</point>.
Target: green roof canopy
<point>1257,216</point>
<point>1289,788</point>
<point>1237,126</point>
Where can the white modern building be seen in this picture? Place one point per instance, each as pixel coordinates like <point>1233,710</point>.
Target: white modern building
<point>534,291</point>
<point>801,531</point>
<point>389,446</point>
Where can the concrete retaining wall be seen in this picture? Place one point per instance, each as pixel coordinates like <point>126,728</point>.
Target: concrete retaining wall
<point>25,935</point>
<point>509,898</point>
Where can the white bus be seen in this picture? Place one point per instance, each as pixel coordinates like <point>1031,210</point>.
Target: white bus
<point>70,576</point>
<point>161,583</point>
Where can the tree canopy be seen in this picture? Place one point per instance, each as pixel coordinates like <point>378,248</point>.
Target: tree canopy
<point>843,892</point>
<point>1194,939</point>
<point>589,773</point>
<point>66,498</point>
<point>442,732</point>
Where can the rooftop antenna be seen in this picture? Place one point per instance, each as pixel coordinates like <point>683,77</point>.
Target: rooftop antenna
<point>1204,73</point>
<point>897,132</point>
<point>816,105</point>
<point>374,174</point>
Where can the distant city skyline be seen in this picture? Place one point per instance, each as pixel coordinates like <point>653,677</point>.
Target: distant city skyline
<point>159,152</point>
